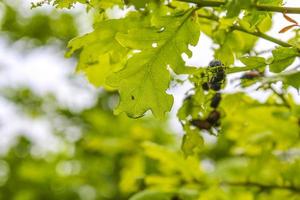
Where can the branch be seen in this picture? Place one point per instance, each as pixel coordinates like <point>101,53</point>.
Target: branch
<point>262,35</point>
<point>278,9</point>
<point>205,3</point>
<point>214,3</point>
<point>255,33</point>
<point>263,186</point>
<point>281,96</point>
<point>233,69</point>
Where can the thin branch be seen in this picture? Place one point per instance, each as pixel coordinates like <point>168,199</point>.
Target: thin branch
<point>291,10</point>
<point>263,186</point>
<point>254,33</point>
<point>233,69</point>
<point>214,3</point>
<point>205,3</point>
<point>281,96</point>
<point>263,52</point>
<point>262,35</point>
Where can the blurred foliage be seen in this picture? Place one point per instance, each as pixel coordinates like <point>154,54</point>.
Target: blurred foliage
<point>109,157</point>
<point>37,26</point>
<point>102,157</point>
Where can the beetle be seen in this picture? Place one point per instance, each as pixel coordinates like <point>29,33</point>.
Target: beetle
<point>215,63</point>
<point>251,75</point>
<point>216,86</point>
<point>201,124</point>
<point>215,101</point>
<point>213,117</point>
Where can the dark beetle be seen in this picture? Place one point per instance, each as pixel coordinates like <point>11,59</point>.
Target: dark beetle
<point>213,117</point>
<point>215,63</point>
<point>201,124</point>
<point>205,86</point>
<point>220,75</point>
<point>216,86</point>
<point>251,75</point>
<point>215,101</point>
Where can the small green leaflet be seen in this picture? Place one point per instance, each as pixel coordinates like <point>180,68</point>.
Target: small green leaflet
<point>282,58</point>
<point>234,7</point>
<point>140,3</point>
<point>103,4</point>
<point>253,62</point>
<point>225,54</point>
<point>292,79</point>
<point>191,142</point>
<point>65,3</point>
<point>143,82</point>
<point>232,44</point>
<point>255,18</point>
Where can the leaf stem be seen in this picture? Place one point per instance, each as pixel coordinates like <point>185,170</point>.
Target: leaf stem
<point>214,3</point>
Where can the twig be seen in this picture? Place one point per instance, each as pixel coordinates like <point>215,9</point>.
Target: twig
<point>254,33</point>
<point>262,35</point>
<point>214,3</point>
<point>281,96</point>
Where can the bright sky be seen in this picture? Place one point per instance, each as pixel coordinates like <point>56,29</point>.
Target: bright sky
<point>46,70</point>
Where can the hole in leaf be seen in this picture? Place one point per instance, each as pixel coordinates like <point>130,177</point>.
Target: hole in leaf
<point>154,45</point>
<point>161,29</point>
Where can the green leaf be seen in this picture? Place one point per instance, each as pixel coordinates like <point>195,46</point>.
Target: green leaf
<point>225,54</point>
<point>151,195</point>
<point>169,39</point>
<point>142,87</point>
<point>94,3</point>
<point>234,7</point>
<point>191,142</point>
<point>139,3</point>
<point>64,3</point>
<point>282,58</point>
<point>256,19</point>
<point>143,82</point>
<point>293,80</point>
<point>101,53</point>
<point>254,62</point>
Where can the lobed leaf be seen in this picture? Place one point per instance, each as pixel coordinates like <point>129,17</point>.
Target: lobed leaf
<point>100,52</point>
<point>143,82</point>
